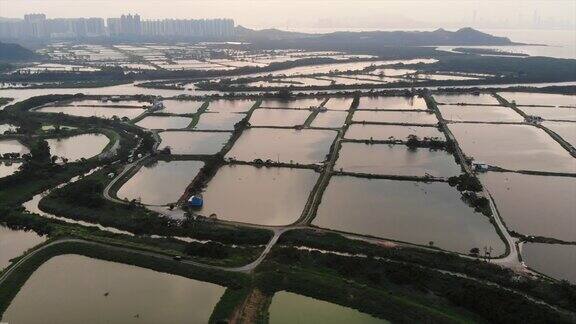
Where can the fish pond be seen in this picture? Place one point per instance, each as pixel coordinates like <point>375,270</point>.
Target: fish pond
<point>298,146</point>
<point>391,132</point>
<point>14,243</point>
<point>391,159</point>
<point>516,147</point>
<point>393,103</point>
<point>218,121</point>
<point>181,107</point>
<point>164,122</point>
<point>396,117</point>
<point>480,114</point>
<point>304,103</point>
<point>555,260</point>
<point>330,119</point>
<point>533,204</point>
<point>479,99</point>
<point>8,168</point>
<point>77,147</point>
<point>415,212</point>
<point>230,105</point>
<point>76,289</point>
<point>291,308</point>
<point>101,112</point>
<point>190,143</point>
<point>264,196</point>
<point>278,117</point>
<point>539,99</point>
<point>160,182</point>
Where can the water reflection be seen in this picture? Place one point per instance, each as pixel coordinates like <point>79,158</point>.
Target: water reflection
<point>77,289</point>
<point>535,205</point>
<point>300,146</point>
<point>267,196</point>
<point>292,308</point>
<point>555,260</point>
<point>517,147</point>
<point>14,243</point>
<point>396,160</point>
<point>161,182</point>
<point>414,212</point>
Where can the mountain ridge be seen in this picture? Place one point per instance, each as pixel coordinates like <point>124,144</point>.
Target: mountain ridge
<point>439,37</point>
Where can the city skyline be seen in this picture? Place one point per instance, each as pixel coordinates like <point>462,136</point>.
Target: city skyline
<point>38,26</point>
<point>324,14</point>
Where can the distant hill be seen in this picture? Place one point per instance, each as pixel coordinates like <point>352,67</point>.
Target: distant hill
<point>464,36</point>
<point>10,52</point>
<point>386,44</point>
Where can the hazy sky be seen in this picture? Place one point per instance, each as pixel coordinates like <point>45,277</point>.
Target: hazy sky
<point>314,14</point>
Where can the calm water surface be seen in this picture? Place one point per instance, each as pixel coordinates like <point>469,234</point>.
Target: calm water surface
<point>566,130</point>
<point>298,103</point>
<point>80,146</point>
<point>278,117</point>
<point>181,106</point>
<point>404,103</point>
<point>330,119</point>
<point>516,147</point>
<point>339,103</point>
<point>164,122</point>
<point>8,168</point>
<point>301,146</point>
<point>480,113</point>
<point>555,260</point>
<point>395,160</point>
<point>266,196</point>
<point>292,308</point>
<point>161,182</point>
<point>7,127</point>
<point>398,117</point>
<point>12,146</point>
<point>537,99</point>
<point>102,112</point>
<point>130,103</point>
<point>14,243</point>
<point>76,289</point>
<point>394,132</point>
<point>415,212</point>
<point>230,105</point>
<point>483,98</point>
<point>186,142</point>
<point>551,113</point>
<point>218,121</point>
<point>535,205</point>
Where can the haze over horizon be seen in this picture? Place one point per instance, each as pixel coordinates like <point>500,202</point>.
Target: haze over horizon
<point>323,15</point>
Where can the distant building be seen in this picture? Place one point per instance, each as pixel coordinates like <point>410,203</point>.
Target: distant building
<point>37,26</point>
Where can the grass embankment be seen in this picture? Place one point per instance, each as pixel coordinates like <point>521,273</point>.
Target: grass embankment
<point>560,294</point>
<point>4,101</point>
<point>396,291</point>
<point>82,200</point>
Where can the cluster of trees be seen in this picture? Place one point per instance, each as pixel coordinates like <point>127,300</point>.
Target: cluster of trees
<point>488,302</point>
<point>413,142</point>
<point>465,182</point>
<point>207,250</point>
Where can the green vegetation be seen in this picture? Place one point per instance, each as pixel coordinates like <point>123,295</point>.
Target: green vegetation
<point>136,219</point>
<point>228,303</point>
<point>556,293</point>
<point>4,101</point>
